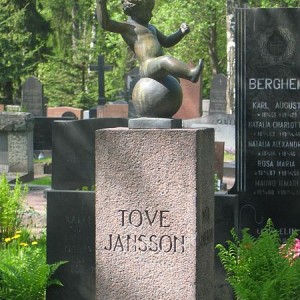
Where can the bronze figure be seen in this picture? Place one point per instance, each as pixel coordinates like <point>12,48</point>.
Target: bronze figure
<point>147,41</point>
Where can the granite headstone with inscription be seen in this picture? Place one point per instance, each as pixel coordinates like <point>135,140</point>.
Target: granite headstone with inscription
<point>71,238</point>
<point>70,211</point>
<point>268,118</point>
<point>154,214</point>
<point>32,97</point>
<point>218,94</point>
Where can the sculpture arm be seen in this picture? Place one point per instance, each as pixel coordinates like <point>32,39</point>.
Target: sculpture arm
<point>173,39</point>
<point>104,19</point>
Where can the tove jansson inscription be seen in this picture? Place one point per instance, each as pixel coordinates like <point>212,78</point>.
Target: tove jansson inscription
<point>144,242</point>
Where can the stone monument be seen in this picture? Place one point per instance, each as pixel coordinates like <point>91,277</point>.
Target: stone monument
<point>16,144</point>
<point>268,119</point>
<point>218,94</point>
<point>32,97</point>
<point>154,214</point>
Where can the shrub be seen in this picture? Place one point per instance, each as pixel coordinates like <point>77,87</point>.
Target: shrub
<point>24,273</point>
<point>262,268</point>
<point>11,206</point>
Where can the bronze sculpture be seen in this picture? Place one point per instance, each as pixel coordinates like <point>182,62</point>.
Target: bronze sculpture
<point>158,93</point>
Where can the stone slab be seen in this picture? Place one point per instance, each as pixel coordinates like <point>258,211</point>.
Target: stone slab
<point>42,133</point>
<point>155,123</point>
<point>32,97</point>
<point>254,213</point>
<point>267,89</point>
<point>71,237</point>
<point>154,214</point>
<point>226,218</point>
<point>73,158</point>
<point>218,94</point>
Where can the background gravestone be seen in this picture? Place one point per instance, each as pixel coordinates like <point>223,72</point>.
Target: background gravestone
<point>71,212</point>
<point>32,97</point>
<point>71,238</point>
<point>268,118</point>
<point>218,94</point>
<point>42,133</point>
<point>73,157</point>
<point>16,150</point>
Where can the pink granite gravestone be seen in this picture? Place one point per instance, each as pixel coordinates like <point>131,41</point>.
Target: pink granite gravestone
<point>154,214</point>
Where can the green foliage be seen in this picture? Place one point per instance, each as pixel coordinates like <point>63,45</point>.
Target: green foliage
<point>45,180</point>
<point>274,3</point>
<point>24,273</point>
<point>23,33</point>
<point>260,268</point>
<point>11,206</point>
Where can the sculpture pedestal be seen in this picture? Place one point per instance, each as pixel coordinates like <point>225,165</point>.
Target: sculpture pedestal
<point>154,214</point>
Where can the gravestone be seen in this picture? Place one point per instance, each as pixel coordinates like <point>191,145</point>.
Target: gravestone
<point>32,97</point>
<point>268,119</point>
<point>71,238</point>
<point>223,124</point>
<point>73,157</point>
<point>16,150</point>
<point>154,214</point>
<point>70,211</point>
<point>65,111</point>
<point>116,109</point>
<point>226,218</point>
<point>218,94</point>
<point>42,133</point>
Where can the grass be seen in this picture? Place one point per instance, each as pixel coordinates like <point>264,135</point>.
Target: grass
<point>229,156</point>
<point>43,160</point>
<point>46,180</point>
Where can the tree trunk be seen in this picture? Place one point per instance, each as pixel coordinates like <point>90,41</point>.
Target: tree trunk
<point>75,24</point>
<point>8,92</point>
<point>212,50</point>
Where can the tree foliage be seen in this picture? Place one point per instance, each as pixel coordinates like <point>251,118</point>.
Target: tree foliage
<point>57,41</point>
<point>23,34</point>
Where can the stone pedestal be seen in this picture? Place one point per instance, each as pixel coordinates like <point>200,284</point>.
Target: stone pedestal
<point>16,143</point>
<point>154,214</point>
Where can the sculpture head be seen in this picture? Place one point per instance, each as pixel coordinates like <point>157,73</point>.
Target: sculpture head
<point>140,8</point>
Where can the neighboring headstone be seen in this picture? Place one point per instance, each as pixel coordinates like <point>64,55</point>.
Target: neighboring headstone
<point>86,114</point>
<point>191,100</point>
<point>205,107</point>
<point>268,119</point>
<point>100,68</point>
<point>226,218</point>
<point>224,125</point>
<point>42,133</point>
<point>2,107</point>
<point>16,139</point>
<point>218,94</point>
<point>154,214</point>
<point>32,97</point>
<point>219,159</point>
<point>73,157</point>
<point>118,109</point>
<point>71,238</point>
<point>65,111</point>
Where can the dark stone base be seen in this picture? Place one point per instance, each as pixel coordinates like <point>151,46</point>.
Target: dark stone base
<point>226,218</point>
<point>71,237</point>
<point>155,123</point>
